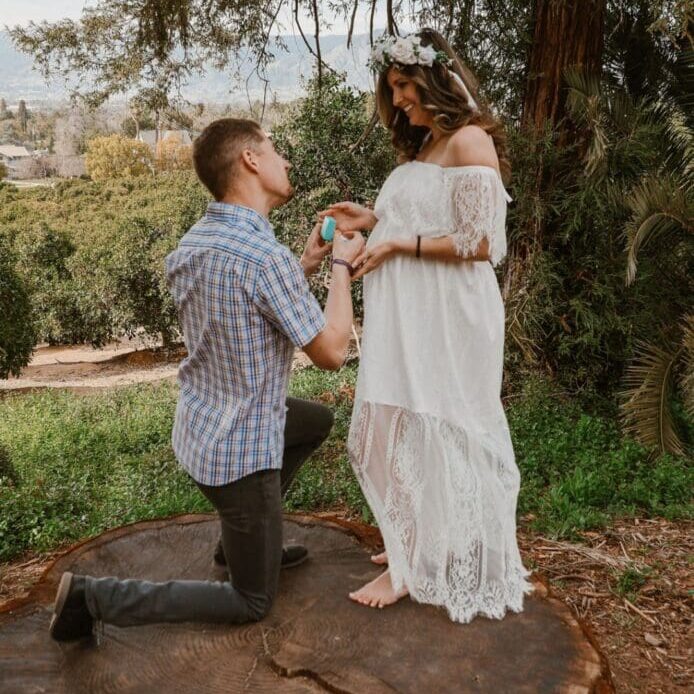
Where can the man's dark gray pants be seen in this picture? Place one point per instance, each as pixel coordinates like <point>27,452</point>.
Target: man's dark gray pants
<point>250,511</point>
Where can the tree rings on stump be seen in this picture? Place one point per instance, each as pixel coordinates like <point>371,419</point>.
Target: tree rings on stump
<point>315,638</point>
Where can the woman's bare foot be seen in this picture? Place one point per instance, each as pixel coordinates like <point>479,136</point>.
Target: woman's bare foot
<point>378,593</point>
<point>380,559</point>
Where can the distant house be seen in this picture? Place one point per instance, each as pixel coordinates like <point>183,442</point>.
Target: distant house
<point>149,137</point>
<point>12,156</point>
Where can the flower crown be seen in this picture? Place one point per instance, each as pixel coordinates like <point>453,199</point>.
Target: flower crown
<point>408,50</point>
<point>404,50</point>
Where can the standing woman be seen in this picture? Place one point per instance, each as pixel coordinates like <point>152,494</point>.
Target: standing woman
<point>429,441</point>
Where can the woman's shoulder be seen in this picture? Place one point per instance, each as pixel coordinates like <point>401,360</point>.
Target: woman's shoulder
<point>471,146</point>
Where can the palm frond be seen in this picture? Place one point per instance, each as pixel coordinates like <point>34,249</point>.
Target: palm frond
<point>681,86</point>
<point>687,382</point>
<point>645,407</point>
<point>659,207</point>
<point>586,108</point>
<point>679,138</point>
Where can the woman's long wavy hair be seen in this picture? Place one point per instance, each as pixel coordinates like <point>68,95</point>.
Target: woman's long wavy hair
<point>443,96</point>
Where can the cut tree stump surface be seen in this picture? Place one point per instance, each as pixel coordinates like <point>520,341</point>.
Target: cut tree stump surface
<point>315,639</point>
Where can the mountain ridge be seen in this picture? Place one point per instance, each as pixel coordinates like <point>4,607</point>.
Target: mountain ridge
<point>287,74</point>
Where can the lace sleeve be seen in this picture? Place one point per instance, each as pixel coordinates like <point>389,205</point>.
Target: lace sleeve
<point>474,198</point>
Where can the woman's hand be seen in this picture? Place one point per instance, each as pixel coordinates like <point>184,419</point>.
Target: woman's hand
<point>349,216</point>
<point>372,258</point>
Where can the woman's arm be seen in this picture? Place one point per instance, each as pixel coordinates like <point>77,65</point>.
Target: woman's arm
<point>350,216</point>
<point>442,249</point>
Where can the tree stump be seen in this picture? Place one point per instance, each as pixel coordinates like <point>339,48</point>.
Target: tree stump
<point>315,639</point>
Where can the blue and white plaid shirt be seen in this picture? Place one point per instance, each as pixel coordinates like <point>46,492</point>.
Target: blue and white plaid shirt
<point>243,303</point>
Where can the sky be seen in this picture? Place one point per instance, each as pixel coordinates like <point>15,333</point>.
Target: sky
<point>13,12</point>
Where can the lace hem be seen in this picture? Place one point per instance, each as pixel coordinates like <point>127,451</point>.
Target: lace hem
<point>445,502</point>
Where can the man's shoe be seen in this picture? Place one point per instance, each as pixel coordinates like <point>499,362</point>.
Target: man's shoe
<point>71,618</point>
<point>292,555</point>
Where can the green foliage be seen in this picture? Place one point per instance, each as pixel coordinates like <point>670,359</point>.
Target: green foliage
<point>326,481</point>
<point>323,139</point>
<point>91,254</point>
<point>115,156</point>
<point>135,273</point>
<point>650,406</point>
<point>571,311</point>
<point>42,260</point>
<point>630,580</point>
<point>577,471</point>
<point>17,336</point>
<point>149,46</point>
<point>662,213</point>
<point>85,464</point>
<point>72,466</point>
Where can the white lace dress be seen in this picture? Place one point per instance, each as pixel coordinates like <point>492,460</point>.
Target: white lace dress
<point>429,441</point>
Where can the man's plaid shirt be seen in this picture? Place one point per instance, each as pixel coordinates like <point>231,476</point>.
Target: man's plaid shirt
<point>243,302</point>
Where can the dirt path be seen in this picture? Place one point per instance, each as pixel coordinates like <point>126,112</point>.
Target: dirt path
<point>82,367</point>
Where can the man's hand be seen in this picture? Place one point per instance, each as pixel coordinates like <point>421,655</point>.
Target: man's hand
<point>348,247</point>
<point>314,252</point>
<point>328,349</point>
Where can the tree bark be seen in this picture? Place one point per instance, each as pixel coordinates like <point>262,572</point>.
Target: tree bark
<point>565,33</point>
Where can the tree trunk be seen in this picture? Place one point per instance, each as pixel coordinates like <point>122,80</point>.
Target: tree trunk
<point>565,33</point>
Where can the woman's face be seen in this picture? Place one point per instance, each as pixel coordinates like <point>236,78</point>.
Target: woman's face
<point>406,98</point>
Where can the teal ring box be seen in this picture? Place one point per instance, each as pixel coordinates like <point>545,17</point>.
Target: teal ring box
<point>327,231</point>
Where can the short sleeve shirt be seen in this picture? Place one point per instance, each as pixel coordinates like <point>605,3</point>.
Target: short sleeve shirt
<point>243,304</point>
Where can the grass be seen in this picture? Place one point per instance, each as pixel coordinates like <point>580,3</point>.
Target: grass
<point>72,466</point>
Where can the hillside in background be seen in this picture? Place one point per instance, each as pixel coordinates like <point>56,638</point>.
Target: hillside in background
<point>18,79</point>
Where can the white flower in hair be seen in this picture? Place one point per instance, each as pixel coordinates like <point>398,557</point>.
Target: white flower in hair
<point>427,56</point>
<point>404,50</point>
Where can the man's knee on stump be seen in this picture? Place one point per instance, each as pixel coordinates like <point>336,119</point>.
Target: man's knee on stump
<point>259,607</point>
<point>324,423</point>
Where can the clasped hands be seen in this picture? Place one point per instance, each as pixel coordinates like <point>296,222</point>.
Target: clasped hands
<point>349,243</point>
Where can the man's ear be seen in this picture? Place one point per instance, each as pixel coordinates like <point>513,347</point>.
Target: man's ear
<point>249,158</point>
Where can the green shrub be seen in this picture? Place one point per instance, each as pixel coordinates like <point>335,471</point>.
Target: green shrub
<point>135,271</point>
<point>77,465</point>
<point>91,254</point>
<point>17,335</point>
<point>577,471</point>
<point>319,137</point>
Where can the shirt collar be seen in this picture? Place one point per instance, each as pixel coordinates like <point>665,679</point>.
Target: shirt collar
<point>240,216</point>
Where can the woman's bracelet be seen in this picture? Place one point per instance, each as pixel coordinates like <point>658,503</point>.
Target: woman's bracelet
<point>339,261</point>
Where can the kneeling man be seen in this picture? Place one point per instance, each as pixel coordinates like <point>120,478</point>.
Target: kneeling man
<point>244,304</point>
